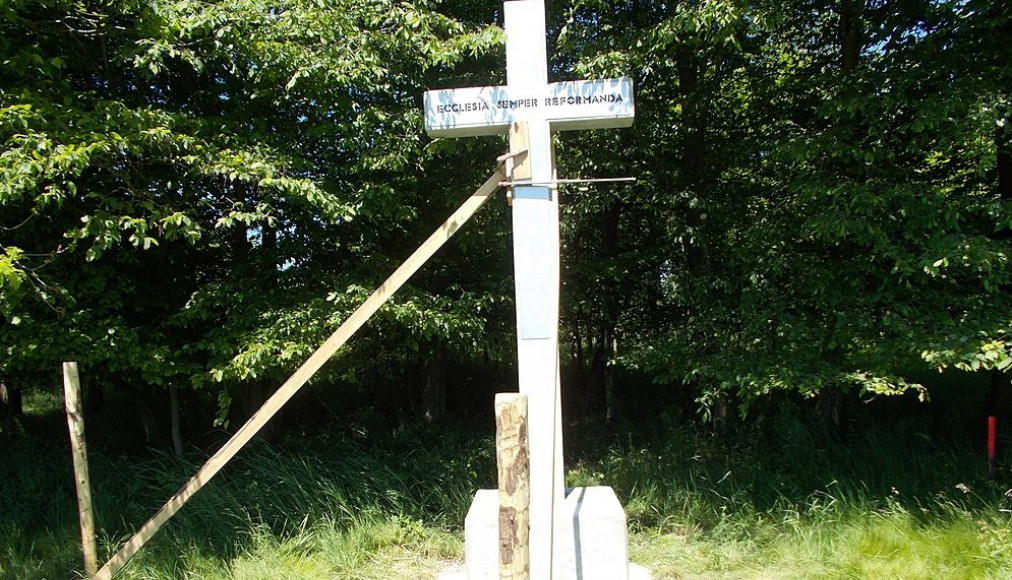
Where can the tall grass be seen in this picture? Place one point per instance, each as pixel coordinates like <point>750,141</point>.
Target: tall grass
<point>796,503</point>
<point>770,501</point>
<point>328,493</point>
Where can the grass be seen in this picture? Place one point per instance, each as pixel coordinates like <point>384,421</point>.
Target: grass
<point>774,501</point>
<point>334,503</point>
<point>790,503</point>
<point>874,545</point>
<point>368,550</point>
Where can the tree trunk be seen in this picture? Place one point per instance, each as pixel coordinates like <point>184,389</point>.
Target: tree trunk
<point>1001,383</point>
<point>720,412</point>
<point>149,422</point>
<point>6,421</point>
<point>997,406</point>
<point>609,382</point>
<point>832,405</point>
<point>11,407</point>
<point>177,433</point>
<point>596,390</point>
<point>598,397</point>
<point>851,42</point>
<point>578,343</point>
<point>999,395</point>
<point>694,154</point>
<point>94,397</point>
<point>433,395</point>
<point>1003,145</point>
<point>252,396</point>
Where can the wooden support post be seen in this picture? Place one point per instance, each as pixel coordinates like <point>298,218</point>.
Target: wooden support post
<point>75,422</point>
<point>520,144</point>
<point>302,375</point>
<point>513,462</point>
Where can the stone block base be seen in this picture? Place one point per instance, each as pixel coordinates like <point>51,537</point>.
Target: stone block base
<point>590,539</point>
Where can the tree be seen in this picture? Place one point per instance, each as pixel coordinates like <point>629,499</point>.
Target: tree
<point>826,174</point>
<point>195,193</point>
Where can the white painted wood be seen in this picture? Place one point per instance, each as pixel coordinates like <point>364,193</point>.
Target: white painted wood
<point>569,106</point>
<point>535,265</point>
<point>529,108</point>
<point>536,268</point>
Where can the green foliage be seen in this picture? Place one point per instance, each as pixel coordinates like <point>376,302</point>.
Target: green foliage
<point>11,277</point>
<point>819,198</point>
<point>183,183</point>
<point>799,221</point>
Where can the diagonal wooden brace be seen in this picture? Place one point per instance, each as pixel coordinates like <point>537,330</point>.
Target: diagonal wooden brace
<point>302,375</point>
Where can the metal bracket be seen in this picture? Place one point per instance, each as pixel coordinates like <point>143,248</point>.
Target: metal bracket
<point>538,186</point>
<point>508,159</point>
<point>552,182</point>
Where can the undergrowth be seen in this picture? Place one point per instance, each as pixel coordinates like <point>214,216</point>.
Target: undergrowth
<point>754,503</point>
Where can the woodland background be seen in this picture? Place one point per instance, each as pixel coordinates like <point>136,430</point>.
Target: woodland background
<point>195,194</point>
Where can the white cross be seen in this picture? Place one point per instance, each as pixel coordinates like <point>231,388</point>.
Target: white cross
<point>529,108</point>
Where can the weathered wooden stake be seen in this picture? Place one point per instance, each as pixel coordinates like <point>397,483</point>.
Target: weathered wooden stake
<point>513,464</point>
<point>75,421</point>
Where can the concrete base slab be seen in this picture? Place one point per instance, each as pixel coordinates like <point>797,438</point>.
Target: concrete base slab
<point>590,540</point>
<point>636,572</point>
<point>455,572</point>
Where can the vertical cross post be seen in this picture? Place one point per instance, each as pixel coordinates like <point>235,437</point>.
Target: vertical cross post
<point>536,268</point>
<point>529,109</point>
